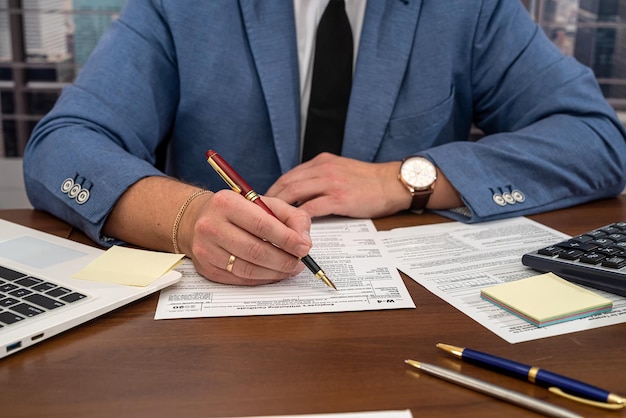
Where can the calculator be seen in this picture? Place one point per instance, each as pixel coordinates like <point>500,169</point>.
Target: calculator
<point>596,258</point>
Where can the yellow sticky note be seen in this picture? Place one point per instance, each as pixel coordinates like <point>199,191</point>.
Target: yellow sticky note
<point>546,299</point>
<point>128,266</point>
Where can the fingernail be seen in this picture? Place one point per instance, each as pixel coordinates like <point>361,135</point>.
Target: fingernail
<point>302,250</point>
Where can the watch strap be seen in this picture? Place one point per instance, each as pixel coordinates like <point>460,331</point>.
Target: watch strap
<point>420,199</point>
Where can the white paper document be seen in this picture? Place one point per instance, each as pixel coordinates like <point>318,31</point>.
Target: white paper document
<point>347,249</point>
<point>455,260</point>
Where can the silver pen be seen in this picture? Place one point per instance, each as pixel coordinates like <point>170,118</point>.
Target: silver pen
<point>494,391</point>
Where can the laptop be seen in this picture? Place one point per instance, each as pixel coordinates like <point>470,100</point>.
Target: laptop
<point>38,296</point>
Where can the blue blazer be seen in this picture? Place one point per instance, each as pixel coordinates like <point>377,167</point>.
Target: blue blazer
<point>174,78</point>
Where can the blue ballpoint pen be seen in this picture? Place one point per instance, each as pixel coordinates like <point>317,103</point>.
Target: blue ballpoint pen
<point>560,385</point>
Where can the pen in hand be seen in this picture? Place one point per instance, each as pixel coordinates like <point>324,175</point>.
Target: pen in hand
<point>560,385</point>
<point>239,185</point>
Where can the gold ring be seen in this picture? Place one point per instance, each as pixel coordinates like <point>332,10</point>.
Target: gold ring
<point>231,261</point>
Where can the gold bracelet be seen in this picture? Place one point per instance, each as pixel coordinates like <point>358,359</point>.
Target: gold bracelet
<point>182,210</point>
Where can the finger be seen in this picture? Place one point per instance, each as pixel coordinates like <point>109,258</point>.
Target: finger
<point>297,191</point>
<point>324,206</point>
<point>257,224</point>
<point>220,275</point>
<point>290,184</point>
<point>237,271</point>
<point>249,273</point>
<point>323,196</point>
<point>224,266</point>
<point>293,218</point>
<point>285,188</point>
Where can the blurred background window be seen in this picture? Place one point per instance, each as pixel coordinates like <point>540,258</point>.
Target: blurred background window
<point>594,32</point>
<point>44,44</point>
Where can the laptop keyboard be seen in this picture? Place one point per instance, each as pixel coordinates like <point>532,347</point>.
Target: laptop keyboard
<point>596,258</point>
<point>23,296</point>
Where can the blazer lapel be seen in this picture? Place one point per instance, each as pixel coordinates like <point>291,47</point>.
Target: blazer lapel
<point>271,32</point>
<point>385,46</point>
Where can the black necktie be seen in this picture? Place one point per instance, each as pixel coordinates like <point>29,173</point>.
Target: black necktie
<point>331,83</point>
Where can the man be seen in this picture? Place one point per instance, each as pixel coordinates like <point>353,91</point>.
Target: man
<point>174,78</point>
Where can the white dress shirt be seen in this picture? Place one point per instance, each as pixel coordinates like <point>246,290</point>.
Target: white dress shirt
<point>308,14</point>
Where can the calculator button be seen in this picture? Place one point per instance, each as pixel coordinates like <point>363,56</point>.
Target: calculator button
<point>608,251</point>
<point>621,245</point>
<point>603,242</point>
<point>583,238</point>
<point>610,230</point>
<point>596,233</point>
<point>592,258</point>
<point>575,245</point>
<point>617,237</point>
<point>614,262</point>
<point>570,254</point>
<point>550,251</point>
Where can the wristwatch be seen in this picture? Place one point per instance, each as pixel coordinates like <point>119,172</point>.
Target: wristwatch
<point>418,175</point>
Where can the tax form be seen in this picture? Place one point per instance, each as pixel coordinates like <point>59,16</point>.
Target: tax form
<point>455,260</point>
<point>348,250</point>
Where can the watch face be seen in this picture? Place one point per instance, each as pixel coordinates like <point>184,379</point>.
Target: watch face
<point>418,172</point>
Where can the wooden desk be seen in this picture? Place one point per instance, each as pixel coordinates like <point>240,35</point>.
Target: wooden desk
<point>126,364</point>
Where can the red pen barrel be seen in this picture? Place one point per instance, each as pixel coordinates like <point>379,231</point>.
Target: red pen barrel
<point>235,181</point>
<point>229,171</point>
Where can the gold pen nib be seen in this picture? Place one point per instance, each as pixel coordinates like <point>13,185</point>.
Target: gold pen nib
<point>413,363</point>
<point>452,349</point>
<point>321,275</point>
